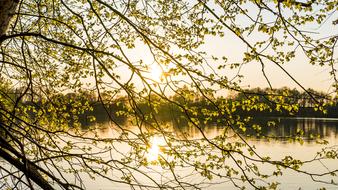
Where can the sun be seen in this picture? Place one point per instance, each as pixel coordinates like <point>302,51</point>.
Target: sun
<point>155,72</point>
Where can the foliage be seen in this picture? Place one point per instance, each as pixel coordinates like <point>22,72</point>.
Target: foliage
<point>106,47</point>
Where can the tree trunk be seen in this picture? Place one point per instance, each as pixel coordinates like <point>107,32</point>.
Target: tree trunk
<point>7,10</point>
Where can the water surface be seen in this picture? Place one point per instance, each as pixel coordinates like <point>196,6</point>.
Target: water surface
<point>325,128</point>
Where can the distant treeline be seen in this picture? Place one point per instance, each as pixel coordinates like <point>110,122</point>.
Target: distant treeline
<point>283,102</point>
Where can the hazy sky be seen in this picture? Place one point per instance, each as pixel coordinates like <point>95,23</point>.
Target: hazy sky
<point>230,46</point>
<point>309,76</point>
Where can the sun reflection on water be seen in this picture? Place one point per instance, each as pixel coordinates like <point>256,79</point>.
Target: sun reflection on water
<point>155,150</point>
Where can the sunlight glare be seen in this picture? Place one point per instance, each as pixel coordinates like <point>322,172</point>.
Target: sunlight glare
<point>154,151</point>
<point>155,72</point>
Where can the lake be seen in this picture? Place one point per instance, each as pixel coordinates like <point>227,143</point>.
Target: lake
<point>327,128</point>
